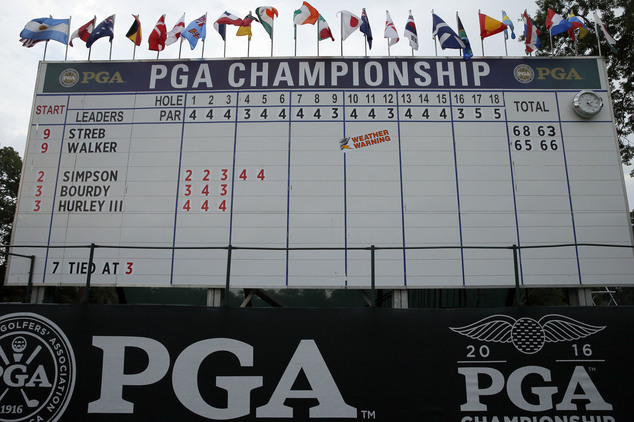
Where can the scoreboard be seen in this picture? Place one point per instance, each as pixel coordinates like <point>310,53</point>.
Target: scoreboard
<point>303,164</point>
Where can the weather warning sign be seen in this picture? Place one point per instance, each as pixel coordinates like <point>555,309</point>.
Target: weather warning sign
<point>320,172</point>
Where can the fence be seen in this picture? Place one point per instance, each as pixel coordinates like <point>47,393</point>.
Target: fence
<point>230,248</point>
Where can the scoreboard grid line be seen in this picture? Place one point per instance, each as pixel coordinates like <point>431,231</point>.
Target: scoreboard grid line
<point>572,211</point>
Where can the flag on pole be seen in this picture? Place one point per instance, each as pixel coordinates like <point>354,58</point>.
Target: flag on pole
<point>490,26</point>
<point>531,35</point>
<point>229,19</point>
<point>446,36</point>
<point>410,32</point>
<point>509,23</point>
<point>175,34</point>
<point>577,22</point>
<point>390,30</point>
<point>44,29</point>
<point>606,34</point>
<point>245,26</point>
<point>267,14</point>
<point>556,24</point>
<point>467,53</point>
<point>134,33</point>
<point>226,19</point>
<point>104,29</point>
<point>306,14</point>
<point>365,28</point>
<point>83,32</point>
<point>196,30</point>
<point>324,29</point>
<point>158,36</point>
<point>349,23</point>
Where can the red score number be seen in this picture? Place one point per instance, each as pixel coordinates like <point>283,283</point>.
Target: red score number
<point>207,176</point>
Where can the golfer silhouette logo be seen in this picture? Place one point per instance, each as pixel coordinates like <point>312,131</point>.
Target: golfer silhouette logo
<point>37,368</point>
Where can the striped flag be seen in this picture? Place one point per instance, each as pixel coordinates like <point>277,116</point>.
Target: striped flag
<point>134,33</point>
<point>556,23</point>
<point>306,14</point>
<point>531,35</point>
<point>44,29</point>
<point>509,23</point>
<point>490,26</point>
<point>324,29</point>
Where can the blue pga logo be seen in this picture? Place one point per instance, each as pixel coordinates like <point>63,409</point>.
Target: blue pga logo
<point>37,369</point>
<point>529,388</point>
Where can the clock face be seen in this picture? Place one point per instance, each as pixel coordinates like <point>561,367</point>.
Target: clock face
<point>587,103</point>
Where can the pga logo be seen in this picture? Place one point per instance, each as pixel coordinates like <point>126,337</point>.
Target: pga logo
<point>529,336</point>
<point>37,369</point>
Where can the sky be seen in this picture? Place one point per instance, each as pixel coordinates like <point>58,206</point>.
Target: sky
<point>19,67</point>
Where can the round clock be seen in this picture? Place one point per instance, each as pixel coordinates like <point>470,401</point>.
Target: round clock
<point>587,103</point>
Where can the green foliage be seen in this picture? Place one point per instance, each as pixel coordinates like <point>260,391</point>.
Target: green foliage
<point>10,168</point>
<point>618,16</point>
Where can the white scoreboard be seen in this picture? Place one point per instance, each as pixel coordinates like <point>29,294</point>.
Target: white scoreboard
<point>302,164</point>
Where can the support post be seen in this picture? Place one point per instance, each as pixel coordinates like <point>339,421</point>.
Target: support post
<point>228,279</point>
<point>214,298</point>
<point>399,299</point>
<point>91,257</point>
<point>516,269</point>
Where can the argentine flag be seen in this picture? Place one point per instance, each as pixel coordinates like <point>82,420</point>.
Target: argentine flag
<point>43,29</point>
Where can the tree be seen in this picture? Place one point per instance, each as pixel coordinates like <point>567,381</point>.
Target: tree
<point>618,16</point>
<point>10,169</point>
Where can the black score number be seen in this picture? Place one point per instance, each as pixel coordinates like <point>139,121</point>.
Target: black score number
<point>532,144</point>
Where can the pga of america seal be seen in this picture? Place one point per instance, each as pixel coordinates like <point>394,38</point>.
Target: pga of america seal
<point>523,73</point>
<point>37,369</point>
<point>68,78</point>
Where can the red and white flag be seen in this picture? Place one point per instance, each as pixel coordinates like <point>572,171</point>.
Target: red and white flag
<point>83,32</point>
<point>175,34</point>
<point>158,36</point>
<point>349,23</point>
<point>390,30</point>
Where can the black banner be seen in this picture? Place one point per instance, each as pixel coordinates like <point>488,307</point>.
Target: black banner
<point>327,73</point>
<point>168,363</point>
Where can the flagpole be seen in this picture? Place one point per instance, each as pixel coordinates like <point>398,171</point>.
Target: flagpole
<point>295,37</point>
<point>410,12</point>
<point>134,49</point>
<point>180,46</point>
<point>481,39</point>
<point>272,32</point>
<point>45,47</point>
<point>94,19</point>
<point>506,35</point>
<point>317,39</point>
<point>114,17</point>
<point>435,42</point>
<point>67,38</point>
<point>551,43</point>
<point>202,54</point>
<point>341,33</point>
<point>224,48</point>
<point>596,30</point>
